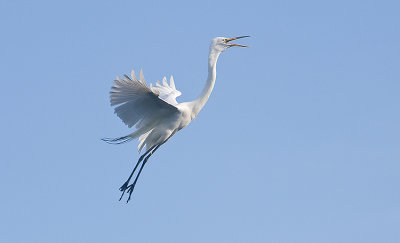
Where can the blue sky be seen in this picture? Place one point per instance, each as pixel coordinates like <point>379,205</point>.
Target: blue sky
<point>299,142</point>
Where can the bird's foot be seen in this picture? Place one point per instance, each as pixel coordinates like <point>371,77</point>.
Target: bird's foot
<point>124,186</point>
<point>131,187</point>
<point>123,189</point>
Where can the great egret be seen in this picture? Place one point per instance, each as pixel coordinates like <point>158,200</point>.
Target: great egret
<point>155,111</point>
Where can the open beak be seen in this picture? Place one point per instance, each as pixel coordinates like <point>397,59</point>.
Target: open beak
<point>235,38</point>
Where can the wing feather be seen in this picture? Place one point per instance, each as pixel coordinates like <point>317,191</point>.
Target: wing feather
<point>167,92</point>
<point>136,103</point>
<point>142,76</point>
<point>172,83</point>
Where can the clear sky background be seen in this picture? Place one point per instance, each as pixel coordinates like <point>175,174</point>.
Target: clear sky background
<point>299,142</point>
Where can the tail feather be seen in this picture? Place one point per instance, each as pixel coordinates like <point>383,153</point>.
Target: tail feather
<point>138,133</point>
<point>119,140</point>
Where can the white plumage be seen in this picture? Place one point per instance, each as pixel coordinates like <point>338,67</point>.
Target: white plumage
<point>167,92</point>
<point>154,110</point>
<point>146,107</point>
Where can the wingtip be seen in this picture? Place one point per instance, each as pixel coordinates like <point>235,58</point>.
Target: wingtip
<point>172,82</point>
<point>133,74</point>
<point>142,76</point>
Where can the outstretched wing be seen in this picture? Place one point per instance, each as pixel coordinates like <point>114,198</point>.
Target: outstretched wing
<point>137,103</point>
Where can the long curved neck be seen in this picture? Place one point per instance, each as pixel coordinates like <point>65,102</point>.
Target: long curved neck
<point>199,103</point>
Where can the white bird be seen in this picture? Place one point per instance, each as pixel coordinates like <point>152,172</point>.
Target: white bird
<point>155,111</point>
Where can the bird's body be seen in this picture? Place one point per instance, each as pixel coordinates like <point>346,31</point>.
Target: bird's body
<point>154,110</point>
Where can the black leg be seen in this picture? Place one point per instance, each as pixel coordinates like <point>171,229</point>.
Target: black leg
<point>132,186</point>
<point>125,185</point>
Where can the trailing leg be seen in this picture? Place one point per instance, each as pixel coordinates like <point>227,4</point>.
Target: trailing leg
<point>131,187</point>
<point>125,185</point>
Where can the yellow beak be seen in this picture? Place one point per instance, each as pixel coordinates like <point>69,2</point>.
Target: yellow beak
<point>235,38</point>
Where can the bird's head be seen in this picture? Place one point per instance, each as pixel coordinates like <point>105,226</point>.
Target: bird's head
<point>220,44</point>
